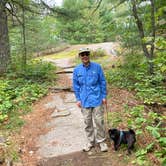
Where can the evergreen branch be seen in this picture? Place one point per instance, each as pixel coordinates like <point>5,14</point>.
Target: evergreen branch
<point>54,10</point>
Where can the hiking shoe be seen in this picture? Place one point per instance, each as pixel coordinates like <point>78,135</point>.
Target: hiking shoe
<point>88,147</point>
<point>103,147</point>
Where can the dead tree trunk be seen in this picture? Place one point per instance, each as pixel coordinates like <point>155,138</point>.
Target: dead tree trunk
<point>4,39</point>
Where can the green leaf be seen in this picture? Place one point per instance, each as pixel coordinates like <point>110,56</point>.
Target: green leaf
<point>162,141</point>
<point>138,132</point>
<point>150,147</point>
<point>164,162</point>
<point>141,152</point>
<point>155,133</point>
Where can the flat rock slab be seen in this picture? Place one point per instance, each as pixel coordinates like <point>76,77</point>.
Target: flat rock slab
<point>67,132</point>
<point>56,114</point>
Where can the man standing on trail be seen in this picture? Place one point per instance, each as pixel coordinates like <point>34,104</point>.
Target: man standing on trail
<point>89,86</point>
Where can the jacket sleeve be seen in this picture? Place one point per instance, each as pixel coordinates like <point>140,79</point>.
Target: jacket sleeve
<point>76,86</point>
<point>102,82</point>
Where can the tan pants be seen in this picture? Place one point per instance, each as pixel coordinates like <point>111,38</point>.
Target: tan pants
<point>94,124</point>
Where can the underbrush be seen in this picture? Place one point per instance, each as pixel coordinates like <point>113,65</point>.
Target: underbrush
<point>133,75</point>
<point>20,88</point>
<point>97,53</point>
<point>147,119</point>
<point>150,148</point>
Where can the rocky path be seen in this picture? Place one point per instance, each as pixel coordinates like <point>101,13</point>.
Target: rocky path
<point>67,135</point>
<point>54,131</point>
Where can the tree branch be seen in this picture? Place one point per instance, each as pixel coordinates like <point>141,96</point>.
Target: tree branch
<point>97,7</point>
<point>25,7</point>
<point>13,13</point>
<point>118,4</point>
<point>54,10</point>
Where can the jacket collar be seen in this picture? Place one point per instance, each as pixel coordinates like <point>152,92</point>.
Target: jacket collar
<point>87,66</point>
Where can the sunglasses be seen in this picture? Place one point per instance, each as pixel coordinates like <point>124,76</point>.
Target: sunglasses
<point>84,54</point>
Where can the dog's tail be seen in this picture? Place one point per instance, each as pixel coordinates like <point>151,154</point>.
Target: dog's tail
<point>131,131</point>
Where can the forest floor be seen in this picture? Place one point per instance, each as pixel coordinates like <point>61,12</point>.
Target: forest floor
<point>53,134</point>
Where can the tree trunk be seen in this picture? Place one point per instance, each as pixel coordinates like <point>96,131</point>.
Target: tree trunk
<point>149,55</point>
<point>24,57</point>
<point>153,34</point>
<point>4,39</point>
<point>140,28</point>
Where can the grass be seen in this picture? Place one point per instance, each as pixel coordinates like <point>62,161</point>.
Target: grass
<point>63,54</point>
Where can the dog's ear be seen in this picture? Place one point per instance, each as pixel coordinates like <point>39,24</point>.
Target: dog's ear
<point>131,131</point>
<point>109,131</point>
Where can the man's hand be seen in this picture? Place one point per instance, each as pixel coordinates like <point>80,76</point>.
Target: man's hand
<point>104,101</point>
<point>79,104</point>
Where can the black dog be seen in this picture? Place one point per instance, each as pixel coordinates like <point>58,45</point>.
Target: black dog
<point>123,137</point>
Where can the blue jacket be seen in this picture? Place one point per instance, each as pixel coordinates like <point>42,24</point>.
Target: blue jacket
<point>89,85</point>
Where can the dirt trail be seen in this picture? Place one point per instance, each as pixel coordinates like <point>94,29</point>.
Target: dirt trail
<point>54,131</point>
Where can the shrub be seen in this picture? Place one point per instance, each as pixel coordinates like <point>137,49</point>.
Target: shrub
<point>97,53</point>
<point>132,74</point>
<point>21,88</point>
<point>35,70</point>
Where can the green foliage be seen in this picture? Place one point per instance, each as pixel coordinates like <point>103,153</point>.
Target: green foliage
<point>150,89</point>
<point>162,141</point>
<point>145,123</point>
<point>21,88</point>
<point>114,119</point>
<point>132,75</point>
<point>39,71</point>
<point>36,70</point>
<point>84,28</point>
<point>43,38</point>
<point>18,94</point>
<point>140,154</point>
<point>160,60</point>
<point>154,131</point>
<point>37,39</point>
<point>124,76</point>
<point>149,132</point>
